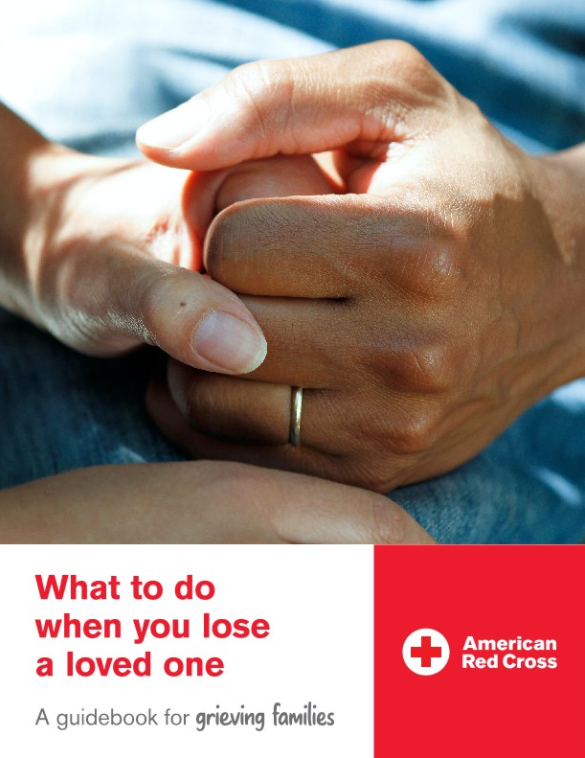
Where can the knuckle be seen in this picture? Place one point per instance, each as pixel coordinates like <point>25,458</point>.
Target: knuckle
<point>260,85</point>
<point>425,369</point>
<point>429,369</point>
<point>421,83</point>
<point>456,224</point>
<point>410,62</point>
<point>392,448</point>
<point>415,435</point>
<point>426,249</point>
<point>384,438</point>
<point>406,52</point>
<point>437,272</point>
<point>263,74</point>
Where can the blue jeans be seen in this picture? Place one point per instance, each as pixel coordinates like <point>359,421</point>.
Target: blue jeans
<point>88,73</point>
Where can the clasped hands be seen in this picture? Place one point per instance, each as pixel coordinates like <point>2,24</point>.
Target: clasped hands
<point>368,236</point>
<point>422,305</point>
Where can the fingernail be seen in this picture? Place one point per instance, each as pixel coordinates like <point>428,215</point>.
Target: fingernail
<point>229,343</point>
<point>175,128</point>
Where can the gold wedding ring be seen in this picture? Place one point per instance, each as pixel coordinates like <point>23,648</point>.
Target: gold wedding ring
<point>296,410</point>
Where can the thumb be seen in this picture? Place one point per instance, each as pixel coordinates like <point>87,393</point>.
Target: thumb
<point>192,318</point>
<point>366,96</point>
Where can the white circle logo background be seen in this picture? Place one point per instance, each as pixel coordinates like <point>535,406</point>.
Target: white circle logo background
<point>425,651</point>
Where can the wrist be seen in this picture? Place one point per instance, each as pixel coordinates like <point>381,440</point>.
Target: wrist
<point>559,186</point>
<point>52,172</point>
<point>28,165</point>
<point>559,180</point>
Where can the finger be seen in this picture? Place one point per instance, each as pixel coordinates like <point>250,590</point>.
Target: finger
<point>335,423</point>
<point>308,341</point>
<point>372,94</point>
<point>306,509</point>
<point>276,506</point>
<point>244,412</point>
<point>202,502</point>
<point>249,412</point>
<point>279,176</point>
<point>314,247</point>
<point>208,193</point>
<point>330,246</point>
<point>196,444</point>
<point>253,504</point>
<point>190,317</point>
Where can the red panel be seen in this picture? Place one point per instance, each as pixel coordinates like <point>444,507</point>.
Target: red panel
<point>492,592</point>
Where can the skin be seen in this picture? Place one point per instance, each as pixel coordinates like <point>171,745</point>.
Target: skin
<point>422,311</point>
<point>106,255</point>
<point>199,502</point>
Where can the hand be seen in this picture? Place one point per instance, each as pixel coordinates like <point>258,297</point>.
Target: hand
<point>109,252</point>
<point>198,502</point>
<point>422,312</point>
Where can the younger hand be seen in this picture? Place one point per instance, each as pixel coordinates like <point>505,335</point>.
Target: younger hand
<point>112,257</point>
<point>203,502</point>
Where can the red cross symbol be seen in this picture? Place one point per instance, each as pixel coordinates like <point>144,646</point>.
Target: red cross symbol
<point>426,652</point>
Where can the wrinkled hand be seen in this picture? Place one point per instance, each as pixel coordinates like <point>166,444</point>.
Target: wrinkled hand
<point>421,312</point>
<point>199,502</point>
<point>113,253</point>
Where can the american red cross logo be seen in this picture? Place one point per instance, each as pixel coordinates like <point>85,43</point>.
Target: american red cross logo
<point>426,652</point>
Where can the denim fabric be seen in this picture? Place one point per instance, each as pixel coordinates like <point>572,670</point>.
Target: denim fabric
<point>88,72</point>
